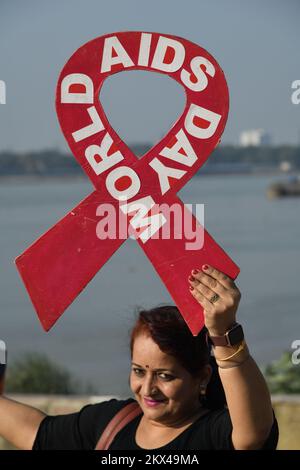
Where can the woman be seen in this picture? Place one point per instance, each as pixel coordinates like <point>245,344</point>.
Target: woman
<point>174,383</point>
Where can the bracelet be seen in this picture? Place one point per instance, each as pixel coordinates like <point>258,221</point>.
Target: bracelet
<point>239,349</point>
<point>237,364</point>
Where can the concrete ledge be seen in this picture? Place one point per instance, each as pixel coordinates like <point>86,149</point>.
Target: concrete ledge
<point>287,410</point>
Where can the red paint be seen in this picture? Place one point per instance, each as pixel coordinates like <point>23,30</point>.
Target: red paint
<point>199,122</point>
<point>77,88</point>
<point>123,183</point>
<point>169,56</point>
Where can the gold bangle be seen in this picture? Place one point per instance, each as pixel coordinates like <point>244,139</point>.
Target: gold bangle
<point>237,364</point>
<point>239,349</point>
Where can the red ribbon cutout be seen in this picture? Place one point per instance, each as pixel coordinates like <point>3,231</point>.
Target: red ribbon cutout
<point>57,267</point>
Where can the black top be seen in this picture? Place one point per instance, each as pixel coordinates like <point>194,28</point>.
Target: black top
<point>82,430</point>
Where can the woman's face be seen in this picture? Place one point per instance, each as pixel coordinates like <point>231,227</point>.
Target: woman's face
<point>164,389</point>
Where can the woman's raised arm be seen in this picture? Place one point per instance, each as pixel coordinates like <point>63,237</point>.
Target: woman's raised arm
<point>247,395</point>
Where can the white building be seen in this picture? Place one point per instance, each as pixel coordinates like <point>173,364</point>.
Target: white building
<point>254,138</point>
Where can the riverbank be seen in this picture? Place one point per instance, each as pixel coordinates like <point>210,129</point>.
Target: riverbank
<point>209,172</point>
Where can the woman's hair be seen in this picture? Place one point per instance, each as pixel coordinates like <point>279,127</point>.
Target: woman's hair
<point>167,328</point>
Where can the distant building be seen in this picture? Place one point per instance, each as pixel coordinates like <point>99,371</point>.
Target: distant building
<point>254,138</point>
<point>285,166</point>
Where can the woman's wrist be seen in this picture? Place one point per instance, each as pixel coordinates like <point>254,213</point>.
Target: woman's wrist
<point>220,330</point>
<point>226,356</point>
<point>232,365</point>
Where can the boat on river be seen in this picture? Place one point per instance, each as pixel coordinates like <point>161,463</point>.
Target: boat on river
<point>288,188</point>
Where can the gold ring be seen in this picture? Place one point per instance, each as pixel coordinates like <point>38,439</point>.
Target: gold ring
<point>214,298</point>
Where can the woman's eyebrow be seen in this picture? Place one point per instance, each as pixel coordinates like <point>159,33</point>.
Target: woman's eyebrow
<point>156,370</point>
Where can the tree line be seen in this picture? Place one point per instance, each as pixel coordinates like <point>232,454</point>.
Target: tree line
<point>56,163</point>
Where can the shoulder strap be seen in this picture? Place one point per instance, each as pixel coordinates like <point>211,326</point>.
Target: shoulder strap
<point>118,422</point>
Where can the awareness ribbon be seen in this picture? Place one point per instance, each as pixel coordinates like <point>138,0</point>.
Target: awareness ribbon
<point>57,266</point>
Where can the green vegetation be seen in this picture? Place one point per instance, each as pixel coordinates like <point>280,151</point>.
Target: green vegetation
<point>36,373</point>
<point>282,375</point>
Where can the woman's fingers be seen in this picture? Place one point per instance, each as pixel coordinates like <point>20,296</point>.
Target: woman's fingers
<point>222,278</point>
<point>208,285</point>
<point>218,296</point>
<point>200,298</point>
<point>204,290</point>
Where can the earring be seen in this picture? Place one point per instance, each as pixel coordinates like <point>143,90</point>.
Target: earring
<point>203,390</point>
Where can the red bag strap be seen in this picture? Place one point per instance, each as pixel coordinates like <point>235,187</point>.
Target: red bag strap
<point>118,422</point>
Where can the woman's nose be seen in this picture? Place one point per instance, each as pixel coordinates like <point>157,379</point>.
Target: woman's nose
<point>149,385</point>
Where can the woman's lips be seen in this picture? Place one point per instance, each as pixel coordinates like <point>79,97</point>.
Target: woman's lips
<point>151,402</point>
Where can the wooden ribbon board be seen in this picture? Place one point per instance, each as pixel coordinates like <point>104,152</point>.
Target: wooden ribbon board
<point>58,266</point>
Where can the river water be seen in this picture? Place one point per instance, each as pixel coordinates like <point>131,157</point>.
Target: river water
<point>91,338</point>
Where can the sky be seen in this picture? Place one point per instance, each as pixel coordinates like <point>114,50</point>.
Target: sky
<point>256,43</point>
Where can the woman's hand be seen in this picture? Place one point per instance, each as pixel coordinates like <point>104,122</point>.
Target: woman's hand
<point>219,297</point>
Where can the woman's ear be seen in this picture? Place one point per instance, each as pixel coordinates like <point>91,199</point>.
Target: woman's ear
<point>206,374</point>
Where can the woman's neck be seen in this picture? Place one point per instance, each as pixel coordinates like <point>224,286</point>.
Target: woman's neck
<point>180,422</point>
<point>153,434</point>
